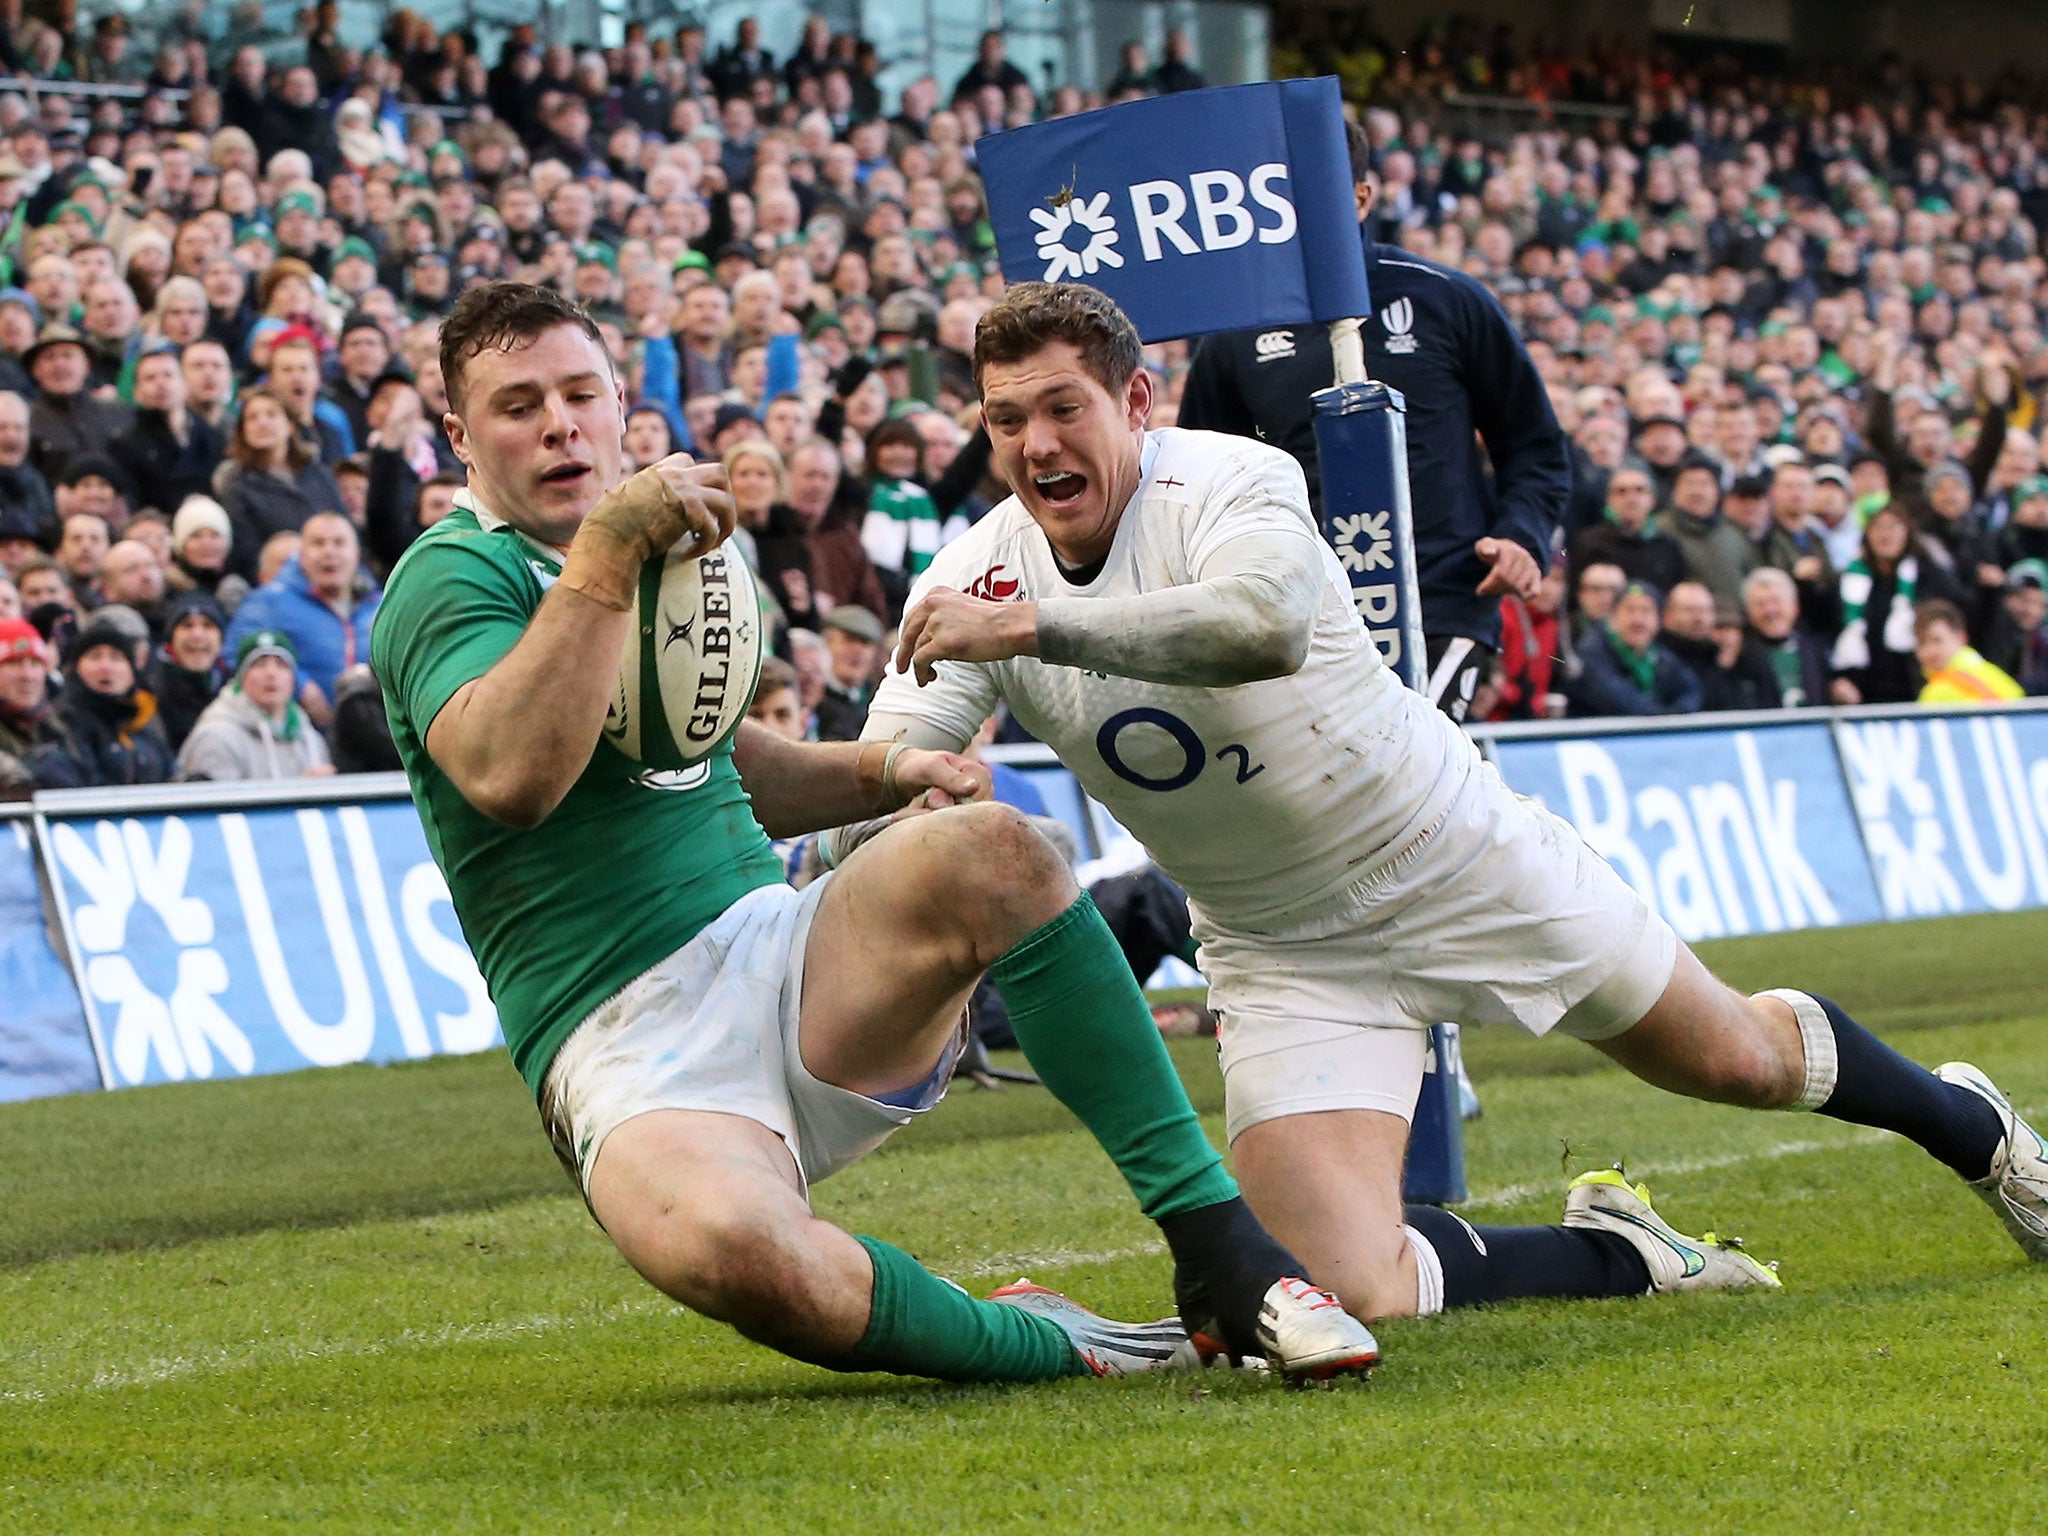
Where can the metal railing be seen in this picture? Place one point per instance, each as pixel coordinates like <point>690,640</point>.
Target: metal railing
<point>1503,116</point>
<point>89,90</point>
<point>162,799</point>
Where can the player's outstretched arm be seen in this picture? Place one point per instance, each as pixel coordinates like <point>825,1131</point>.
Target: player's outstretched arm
<point>1248,618</point>
<point>808,786</point>
<point>514,740</point>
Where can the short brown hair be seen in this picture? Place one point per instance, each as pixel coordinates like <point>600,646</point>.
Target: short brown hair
<point>275,275</point>
<point>1938,610</point>
<point>1031,316</point>
<point>496,315</point>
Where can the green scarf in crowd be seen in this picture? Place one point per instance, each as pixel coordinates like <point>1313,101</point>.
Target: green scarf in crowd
<point>1641,666</point>
<point>1852,648</point>
<point>294,717</point>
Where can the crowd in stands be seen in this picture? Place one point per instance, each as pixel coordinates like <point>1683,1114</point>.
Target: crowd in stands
<point>1792,327</point>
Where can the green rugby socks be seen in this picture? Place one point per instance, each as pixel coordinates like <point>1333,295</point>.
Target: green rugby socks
<point>1088,1033</point>
<point>921,1325</point>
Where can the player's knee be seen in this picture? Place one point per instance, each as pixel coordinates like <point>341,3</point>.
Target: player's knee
<point>1750,1067</point>
<point>1001,879</point>
<point>738,1265</point>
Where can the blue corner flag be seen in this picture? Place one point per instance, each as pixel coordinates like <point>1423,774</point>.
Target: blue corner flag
<point>1204,211</point>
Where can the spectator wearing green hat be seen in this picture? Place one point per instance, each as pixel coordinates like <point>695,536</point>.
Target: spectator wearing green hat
<point>446,159</point>
<point>296,219</point>
<point>353,272</point>
<point>76,220</point>
<point>255,728</point>
<point>596,284</point>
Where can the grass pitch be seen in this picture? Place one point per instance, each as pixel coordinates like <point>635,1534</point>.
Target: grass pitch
<point>367,1299</point>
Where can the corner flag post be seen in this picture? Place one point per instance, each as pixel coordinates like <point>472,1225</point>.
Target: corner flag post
<point>1362,445</point>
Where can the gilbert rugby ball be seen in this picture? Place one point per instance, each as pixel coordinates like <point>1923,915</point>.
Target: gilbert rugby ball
<point>691,662</point>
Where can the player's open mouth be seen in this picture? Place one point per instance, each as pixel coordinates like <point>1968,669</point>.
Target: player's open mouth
<point>565,474</point>
<point>1059,487</point>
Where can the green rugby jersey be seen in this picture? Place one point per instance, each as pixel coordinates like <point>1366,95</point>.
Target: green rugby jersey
<point>628,868</point>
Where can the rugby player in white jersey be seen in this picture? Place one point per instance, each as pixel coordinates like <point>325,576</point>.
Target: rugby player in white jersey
<point>1159,608</point>
<point>704,1041</point>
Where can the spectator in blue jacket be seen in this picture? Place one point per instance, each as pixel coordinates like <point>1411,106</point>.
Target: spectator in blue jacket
<point>1624,671</point>
<point>323,602</point>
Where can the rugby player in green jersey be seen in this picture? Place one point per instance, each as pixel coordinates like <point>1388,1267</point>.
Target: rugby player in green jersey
<point>704,1041</point>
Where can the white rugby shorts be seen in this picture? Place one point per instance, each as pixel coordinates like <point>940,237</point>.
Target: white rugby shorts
<point>714,1027</point>
<point>1498,913</point>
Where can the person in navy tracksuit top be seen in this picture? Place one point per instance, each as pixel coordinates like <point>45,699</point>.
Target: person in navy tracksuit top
<point>1440,338</point>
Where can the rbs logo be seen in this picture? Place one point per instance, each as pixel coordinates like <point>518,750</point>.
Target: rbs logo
<point>1216,211</point>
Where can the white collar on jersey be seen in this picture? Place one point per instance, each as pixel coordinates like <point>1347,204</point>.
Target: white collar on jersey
<point>490,522</point>
<point>1146,461</point>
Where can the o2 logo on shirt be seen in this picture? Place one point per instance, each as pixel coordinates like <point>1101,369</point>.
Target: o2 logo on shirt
<point>1194,753</point>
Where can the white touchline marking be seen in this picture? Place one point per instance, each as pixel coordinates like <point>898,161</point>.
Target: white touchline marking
<point>223,1360</point>
<point>1515,1194</point>
<point>220,1362</point>
<point>1020,1265</point>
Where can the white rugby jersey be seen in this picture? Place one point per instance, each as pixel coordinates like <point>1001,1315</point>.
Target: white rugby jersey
<point>1263,801</point>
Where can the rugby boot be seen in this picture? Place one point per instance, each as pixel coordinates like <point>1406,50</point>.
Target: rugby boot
<point>2017,1185</point>
<point>1607,1202</point>
<point>1106,1347</point>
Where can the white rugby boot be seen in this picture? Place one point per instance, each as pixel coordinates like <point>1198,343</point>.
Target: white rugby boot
<point>1106,1347</point>
<point>1607,1202</point>
<point>1308,1336</point>
<point>2017,1186</point>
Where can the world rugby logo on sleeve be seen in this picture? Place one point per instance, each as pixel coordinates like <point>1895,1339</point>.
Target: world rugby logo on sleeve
<point>1399,319</point>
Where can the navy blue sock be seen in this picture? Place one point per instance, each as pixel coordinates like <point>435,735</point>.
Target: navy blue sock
<point>1482,1265</point>
<point>1875,1085</point>
<point>1223,1264</point>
